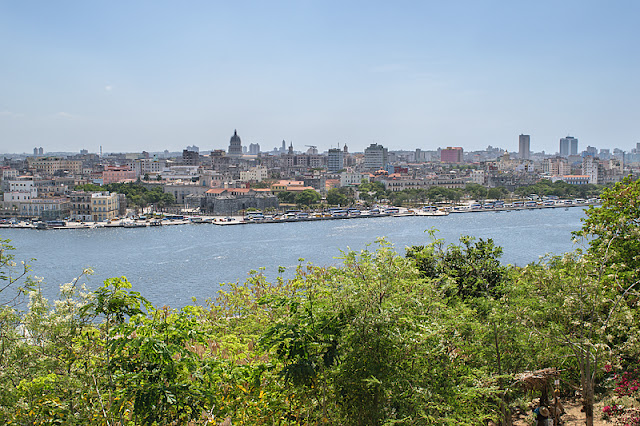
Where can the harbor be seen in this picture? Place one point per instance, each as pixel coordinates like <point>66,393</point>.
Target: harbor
<point>258,217</point>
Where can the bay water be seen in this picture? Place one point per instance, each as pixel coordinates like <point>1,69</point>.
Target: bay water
<point>170,265</point>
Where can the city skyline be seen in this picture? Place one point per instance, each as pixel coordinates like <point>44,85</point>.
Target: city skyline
<point>156,76</point>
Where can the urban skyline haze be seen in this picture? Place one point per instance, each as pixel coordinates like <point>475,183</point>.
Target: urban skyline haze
<point>418,74</point>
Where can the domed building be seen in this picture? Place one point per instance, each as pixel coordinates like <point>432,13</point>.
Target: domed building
<point>235,145</point>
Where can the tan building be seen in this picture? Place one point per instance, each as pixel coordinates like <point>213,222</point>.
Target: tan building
<point>104,206</point>
<point>51,165</point>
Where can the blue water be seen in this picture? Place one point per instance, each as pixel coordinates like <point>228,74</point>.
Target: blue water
<point>170,265</point>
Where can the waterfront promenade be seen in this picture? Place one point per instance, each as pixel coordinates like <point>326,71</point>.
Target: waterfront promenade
<point>297,216</point>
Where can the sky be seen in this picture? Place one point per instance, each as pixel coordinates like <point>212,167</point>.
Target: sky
<point>154,75</point>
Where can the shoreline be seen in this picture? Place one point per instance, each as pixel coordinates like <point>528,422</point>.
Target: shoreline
<point>239,220</point>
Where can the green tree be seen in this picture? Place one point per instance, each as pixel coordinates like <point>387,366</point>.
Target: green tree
<point>89,187</point>
<point>336,198</point>
<point>613,230</point>
<point>307,197</point>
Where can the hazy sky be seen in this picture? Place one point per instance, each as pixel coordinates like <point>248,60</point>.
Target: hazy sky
<point>154,75</point>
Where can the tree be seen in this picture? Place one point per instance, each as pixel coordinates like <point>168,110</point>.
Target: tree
<point>614,228</point>
<point>307,197</point>
<point>287,197</point>
<point>88,187</point>
<point>567,301</point>
<point>336,198</point>
<point>497,193</point>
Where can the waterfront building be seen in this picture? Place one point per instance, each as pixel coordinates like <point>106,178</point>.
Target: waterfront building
<point>451,155</point>
<point>229,201</point>
<point>80,206</point>
<point>524,147</point>
<point>181,190</point>
<point>335,160</point>
<point>45,208</point>
<point>104,206</point>
<point>376,157</point>
<point>568,146</point>
<point>235,146</point>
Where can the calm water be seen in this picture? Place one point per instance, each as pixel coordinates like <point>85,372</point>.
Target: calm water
<point>170,265</point>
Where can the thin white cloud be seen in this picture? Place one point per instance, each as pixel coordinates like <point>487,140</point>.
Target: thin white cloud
<point>10,114</point>
<point>108,88</point>
<point>65,115</point>
<point>386,68</point>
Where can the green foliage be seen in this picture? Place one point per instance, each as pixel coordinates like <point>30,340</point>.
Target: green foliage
<point>287,197</point>
<point>89,187</point>
<point>560,189</point>
<point>340,196</point>
<point>307,197</point>
<point>469,270</point>
<point>613,230</point>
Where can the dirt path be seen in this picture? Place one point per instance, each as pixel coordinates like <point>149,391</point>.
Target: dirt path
<point>573,416</point>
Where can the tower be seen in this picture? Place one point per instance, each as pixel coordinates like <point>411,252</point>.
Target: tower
<point>568,146</point>
<point>524,147</point>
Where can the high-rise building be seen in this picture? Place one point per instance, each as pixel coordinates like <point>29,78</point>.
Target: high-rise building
<point>40,151</point>
<point>451,155</point>
<point>254,148</point>
<point>376,157</point>
<point>235,145</point>
<point>190,158</point>
<point>335,160</point>
<point>524,147</point>
<point>35,151</point>
<point>568,146</point>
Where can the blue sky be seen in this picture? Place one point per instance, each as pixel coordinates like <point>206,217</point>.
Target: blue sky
<point>155,75</point>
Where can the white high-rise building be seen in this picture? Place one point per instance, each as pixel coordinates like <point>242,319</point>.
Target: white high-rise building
<point>375,157</point>
<point>335,160</point>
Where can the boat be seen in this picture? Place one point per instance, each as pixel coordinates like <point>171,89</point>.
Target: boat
<point>135,224</point>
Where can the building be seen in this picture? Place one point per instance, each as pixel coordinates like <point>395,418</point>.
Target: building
<point>335,160</point>
<point>568,146</point>
<point>80,206</point>
<point>190,158</point>
<point>590,168</point>
<point>20,190</point>
<point>352,178</point>
<point>104,206</point>
<point>254,174</point>
<point>524,147</point>
<point>52,165</point>
<point>235,146</point>
<point>451,155</point>
<point>376,157</point>
<point>45,208</point>
<point>114,174</point>
<point>254,148</point>
<point>227,201</point>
